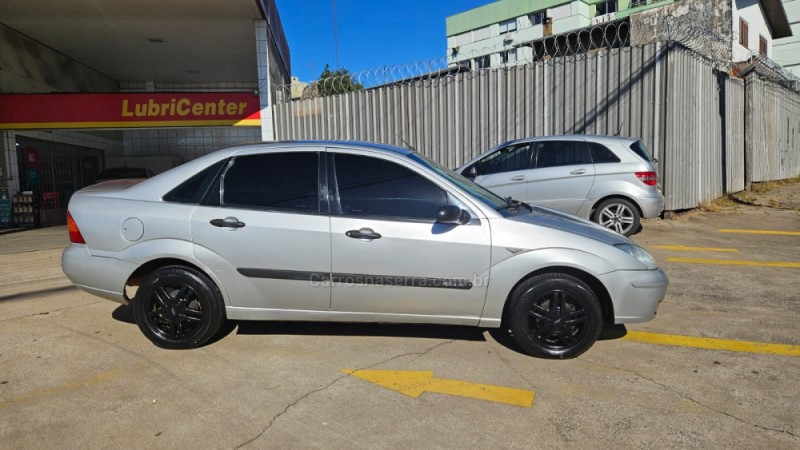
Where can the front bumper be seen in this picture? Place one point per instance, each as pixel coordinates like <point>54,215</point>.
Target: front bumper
<point>103,277</point>
<point>635,294</point>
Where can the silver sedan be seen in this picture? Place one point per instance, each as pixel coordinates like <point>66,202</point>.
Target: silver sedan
<point>352,232</point>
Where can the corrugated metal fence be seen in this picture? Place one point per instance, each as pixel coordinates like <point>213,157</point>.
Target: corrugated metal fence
<point>689,116</point>
<point>773,124</point>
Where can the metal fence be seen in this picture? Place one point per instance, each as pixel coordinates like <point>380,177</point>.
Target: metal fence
<point>773,128</point>
<point>455,118</point>
<point>700,123</point>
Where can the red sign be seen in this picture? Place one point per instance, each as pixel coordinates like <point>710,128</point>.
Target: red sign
<point>149,110</point>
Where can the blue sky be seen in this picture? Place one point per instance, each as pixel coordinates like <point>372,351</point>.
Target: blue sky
<point>371,33</point>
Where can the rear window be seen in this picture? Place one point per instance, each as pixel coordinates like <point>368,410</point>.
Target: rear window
<point>640,150</point>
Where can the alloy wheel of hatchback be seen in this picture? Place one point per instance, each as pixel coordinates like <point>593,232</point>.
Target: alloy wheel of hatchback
<point>618,215</point>
<point>555,316</point>
<point>178,307</point>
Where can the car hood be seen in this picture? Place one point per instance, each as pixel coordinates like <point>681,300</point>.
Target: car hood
<point>558,220</point>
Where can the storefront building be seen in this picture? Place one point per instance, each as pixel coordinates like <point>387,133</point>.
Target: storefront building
<point>87,85</point>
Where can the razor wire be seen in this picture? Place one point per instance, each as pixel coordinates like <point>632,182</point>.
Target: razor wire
<point>582,43</point>
<point>573,44</point>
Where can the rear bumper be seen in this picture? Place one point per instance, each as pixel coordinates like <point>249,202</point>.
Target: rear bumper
<point>652,205</point>
<point>103,277</point>
<point>635,294</point>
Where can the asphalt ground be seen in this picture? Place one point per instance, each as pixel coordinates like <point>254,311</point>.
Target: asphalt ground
<point>718,367</point>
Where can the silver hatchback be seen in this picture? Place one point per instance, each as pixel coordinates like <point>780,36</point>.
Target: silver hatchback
<point>350,232</point>
<point>610,179</point>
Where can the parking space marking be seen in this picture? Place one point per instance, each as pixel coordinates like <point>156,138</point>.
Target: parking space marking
<point>90,381</point>
<point>683,248</point>
<point>712,343</point>
<point>733,262</point>
<point>413,383</point>
<point>780,233</point>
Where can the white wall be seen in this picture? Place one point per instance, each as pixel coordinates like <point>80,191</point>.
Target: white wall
<point>749,10</point>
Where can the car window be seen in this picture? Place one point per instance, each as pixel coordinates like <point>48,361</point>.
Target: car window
<point>280,181</point>
<point>561,153</point>
<point>641,150</point>
<point>193,189</point>
<point>601,154</point>
<point>506,159</point>
<point>375,187</point>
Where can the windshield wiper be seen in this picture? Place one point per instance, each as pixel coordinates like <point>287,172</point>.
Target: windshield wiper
<point>513,205</point>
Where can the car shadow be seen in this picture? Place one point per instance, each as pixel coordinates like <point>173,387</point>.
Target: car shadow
<point>502,336</point>
<point>445,332</point>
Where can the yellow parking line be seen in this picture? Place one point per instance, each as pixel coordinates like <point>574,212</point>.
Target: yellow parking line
<point>733,262</point>
<point>712,343</point>
<point>683,248</point>
<point>780,233</point>
<point>90,381</point>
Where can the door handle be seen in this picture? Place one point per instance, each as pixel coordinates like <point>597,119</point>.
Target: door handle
<point>578,172</point>
<point>365,234</point>
<point>228,222</point>
<point>518,178</point>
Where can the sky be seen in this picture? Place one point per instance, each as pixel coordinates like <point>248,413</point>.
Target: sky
<point>372,33</point>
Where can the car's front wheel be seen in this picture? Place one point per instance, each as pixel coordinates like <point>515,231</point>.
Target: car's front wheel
<point>178,307</point>
<point>555,315</point>
<point>618,214</point>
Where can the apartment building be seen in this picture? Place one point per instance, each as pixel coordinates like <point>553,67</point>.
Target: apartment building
<point>508,31</point>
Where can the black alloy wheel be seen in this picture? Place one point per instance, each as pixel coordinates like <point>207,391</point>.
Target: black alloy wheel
<point>555,316</point>
<point>178,307</point>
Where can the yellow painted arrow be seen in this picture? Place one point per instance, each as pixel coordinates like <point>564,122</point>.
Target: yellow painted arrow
<point>413,383</point>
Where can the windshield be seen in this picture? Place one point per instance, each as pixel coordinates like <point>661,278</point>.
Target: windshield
<point>479,192</point>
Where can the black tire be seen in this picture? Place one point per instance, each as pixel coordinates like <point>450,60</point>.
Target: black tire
<point>555,315</point>
<point>178,307</point>
<point>619,215</point>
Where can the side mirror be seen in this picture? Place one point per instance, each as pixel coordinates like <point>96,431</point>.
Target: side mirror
<point>472,172</point>
<point>452,215</point>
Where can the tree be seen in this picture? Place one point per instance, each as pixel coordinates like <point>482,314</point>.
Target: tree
<point>337,81</point>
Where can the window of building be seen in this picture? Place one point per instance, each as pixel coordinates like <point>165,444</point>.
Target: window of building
<point>608,7</point>
<point>508,26</point>
<point>275,181</point>
<point>509,56</point>
<point>762,45</point>
<point>375,187</point>
<point>537,18</point>
<point>744,31</point>
<point>635,3</point>
<point>482,62</point>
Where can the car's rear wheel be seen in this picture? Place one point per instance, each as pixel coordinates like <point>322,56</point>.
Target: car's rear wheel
<point>178,307</point>
<point>618,214</point>
<point>555,316</point>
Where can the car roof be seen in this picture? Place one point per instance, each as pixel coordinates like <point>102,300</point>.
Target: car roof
<point>600,138</point>
<point>262,145</point>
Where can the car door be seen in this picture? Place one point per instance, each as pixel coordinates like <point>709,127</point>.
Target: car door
<point>390,256</point>
<point>505,171</point>
<point>562,176</point>
<point>266,234</point>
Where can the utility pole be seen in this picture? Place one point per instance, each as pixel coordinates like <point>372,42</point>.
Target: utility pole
<point>335,34</point>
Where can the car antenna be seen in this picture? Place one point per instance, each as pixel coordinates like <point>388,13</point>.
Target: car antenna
<point>408,146</point>
<point>619,130</point>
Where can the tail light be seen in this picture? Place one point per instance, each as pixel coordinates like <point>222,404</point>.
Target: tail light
<point>74,233</point>
<point>648,178</point>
